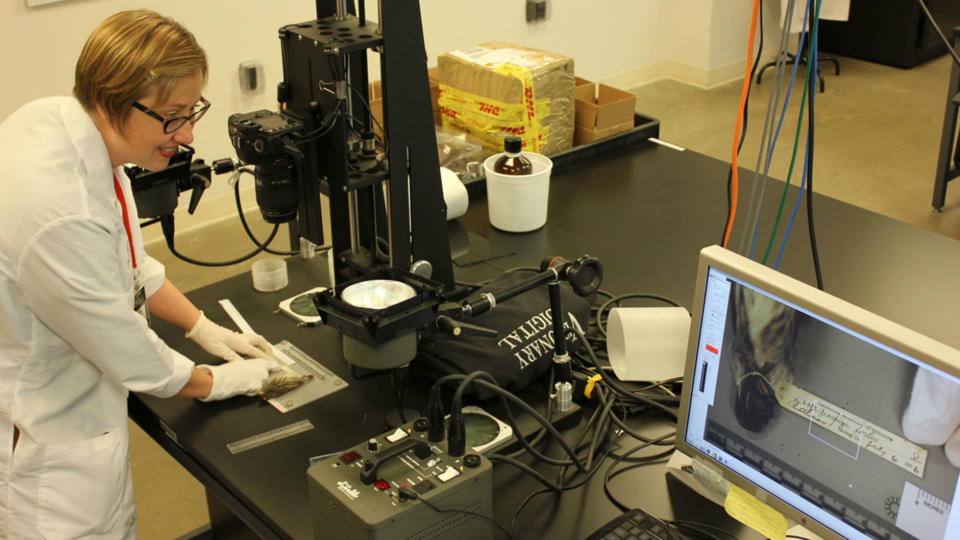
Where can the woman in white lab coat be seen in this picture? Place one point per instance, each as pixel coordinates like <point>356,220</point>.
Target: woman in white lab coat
<point>74,337</point>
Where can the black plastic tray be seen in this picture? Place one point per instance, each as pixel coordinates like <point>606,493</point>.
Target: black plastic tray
<point>644,128</point>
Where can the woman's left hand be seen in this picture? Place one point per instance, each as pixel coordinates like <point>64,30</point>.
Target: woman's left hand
<point>227,344</point>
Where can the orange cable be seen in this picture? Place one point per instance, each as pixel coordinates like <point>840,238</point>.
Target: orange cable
<point>736,135</point>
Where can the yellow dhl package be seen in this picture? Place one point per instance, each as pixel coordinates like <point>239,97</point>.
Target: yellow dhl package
<point>496,89</point>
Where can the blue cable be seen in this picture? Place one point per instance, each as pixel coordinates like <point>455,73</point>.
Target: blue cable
<point>812,77</point>
<point>803,183</point>
<point>773,145</point>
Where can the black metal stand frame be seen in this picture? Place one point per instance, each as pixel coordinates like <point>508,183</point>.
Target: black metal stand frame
<point>948,163</point>
<point>325,68</point>
<point>801,57</point>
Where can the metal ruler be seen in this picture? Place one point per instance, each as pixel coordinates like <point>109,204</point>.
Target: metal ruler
<point>324,381</point>
<point>269,437</point>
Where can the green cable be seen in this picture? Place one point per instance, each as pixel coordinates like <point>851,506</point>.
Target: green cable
<point>796,142</point>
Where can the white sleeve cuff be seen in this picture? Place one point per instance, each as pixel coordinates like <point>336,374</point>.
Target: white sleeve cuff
<point>152,275</point>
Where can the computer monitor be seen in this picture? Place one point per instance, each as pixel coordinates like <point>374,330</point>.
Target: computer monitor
<point>836,416</point>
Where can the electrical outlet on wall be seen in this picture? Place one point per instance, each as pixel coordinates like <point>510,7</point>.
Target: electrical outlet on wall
<point>251,77</point>
<point>538,10</point>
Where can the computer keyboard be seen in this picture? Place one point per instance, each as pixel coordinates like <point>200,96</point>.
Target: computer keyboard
<point>635,525</point>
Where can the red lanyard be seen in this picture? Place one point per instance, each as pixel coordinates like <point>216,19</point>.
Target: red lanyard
<point>126,218</point>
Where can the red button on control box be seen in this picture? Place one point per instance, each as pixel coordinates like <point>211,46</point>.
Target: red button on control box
<point>382,485</point>
<point>349,457</point>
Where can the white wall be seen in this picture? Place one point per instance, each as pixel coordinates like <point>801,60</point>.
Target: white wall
<point>607,38</point>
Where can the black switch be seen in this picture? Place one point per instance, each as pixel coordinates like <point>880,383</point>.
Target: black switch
<point>424,487</point>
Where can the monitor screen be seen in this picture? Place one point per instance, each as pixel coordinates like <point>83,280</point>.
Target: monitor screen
<point>842,428</point>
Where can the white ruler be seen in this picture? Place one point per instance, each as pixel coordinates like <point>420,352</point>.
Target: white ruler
<point>245,327</point>
<point>922,514</point>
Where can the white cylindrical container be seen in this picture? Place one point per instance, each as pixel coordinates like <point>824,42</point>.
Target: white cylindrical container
<point>454,194</point>
<point>519,203</point>
<point>648,343</point>
<point>269,274</point>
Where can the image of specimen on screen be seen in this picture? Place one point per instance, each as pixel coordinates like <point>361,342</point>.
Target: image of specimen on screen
<point>820,411</point>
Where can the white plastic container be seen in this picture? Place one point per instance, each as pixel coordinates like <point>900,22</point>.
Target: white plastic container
<point>269,274</point>
<point>648,343</point>
<point>519,203</point>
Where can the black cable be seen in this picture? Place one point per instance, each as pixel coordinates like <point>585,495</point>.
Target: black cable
<point>313,135</point>
<point>703,526</point>
<point>537,476</point>
<point>696,528</point>
<point>488,518</point>
<point>243,220</point>
<point>637,436</point>
<point>504,395</point>
<point>644,462</point>
<point>936,27</point>
<point>661,383</point>
<point>386,142</point>
<point>606,478</point>
<point>743,130</point>
<point>615,387</point>
<point>148,222</point>
<point>810,145</point>
<point>578,485</point>
<point>541,433</point>
<point>622,297</point>
<point>226,263</point>
<point>599,429</point>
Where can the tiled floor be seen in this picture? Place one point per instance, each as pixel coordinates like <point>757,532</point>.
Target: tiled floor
<point>877,136</point>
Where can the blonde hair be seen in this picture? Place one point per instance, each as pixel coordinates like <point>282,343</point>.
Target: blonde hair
<point>129,55</point>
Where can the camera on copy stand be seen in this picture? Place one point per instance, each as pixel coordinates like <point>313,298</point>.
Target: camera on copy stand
<point>266,140</point>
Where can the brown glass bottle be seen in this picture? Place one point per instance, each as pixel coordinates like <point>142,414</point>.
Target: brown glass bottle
<point>512,163</point>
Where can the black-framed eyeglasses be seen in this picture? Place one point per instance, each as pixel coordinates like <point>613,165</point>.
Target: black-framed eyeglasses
<point>171,125</point>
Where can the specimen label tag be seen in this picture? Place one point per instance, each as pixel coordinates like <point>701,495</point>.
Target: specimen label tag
<point>850,432</point>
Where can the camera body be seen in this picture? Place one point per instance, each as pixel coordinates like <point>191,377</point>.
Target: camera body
<point>258,136</point>
<point>265,139</point>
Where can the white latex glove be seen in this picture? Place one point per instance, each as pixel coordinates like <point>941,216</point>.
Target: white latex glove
<point>933,415</point>
<point>227,344</point>
<point>236,378</point>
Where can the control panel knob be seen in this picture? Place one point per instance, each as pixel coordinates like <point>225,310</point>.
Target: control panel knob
<point>373,445</point>
<point>420,425</point>
<point>471,461</point>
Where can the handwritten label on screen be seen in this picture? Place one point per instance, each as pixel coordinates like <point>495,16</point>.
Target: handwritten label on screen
<point>853,429</point>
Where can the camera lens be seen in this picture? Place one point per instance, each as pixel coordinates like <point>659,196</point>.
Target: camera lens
<point>277,193</point>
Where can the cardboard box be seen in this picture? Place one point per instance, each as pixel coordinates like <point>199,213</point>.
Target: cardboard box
<point>497,89</point>
<point>600,106</point>
<point>583,135</point>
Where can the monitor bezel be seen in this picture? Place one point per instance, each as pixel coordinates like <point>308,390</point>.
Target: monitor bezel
<point>870,325</point>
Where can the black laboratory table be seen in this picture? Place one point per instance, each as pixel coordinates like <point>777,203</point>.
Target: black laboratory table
<point>646,211</point>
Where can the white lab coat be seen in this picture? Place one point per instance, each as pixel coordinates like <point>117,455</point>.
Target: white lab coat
<point>71,345</point>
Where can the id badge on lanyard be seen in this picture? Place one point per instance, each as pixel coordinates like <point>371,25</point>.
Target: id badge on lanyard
<point>139,291</point>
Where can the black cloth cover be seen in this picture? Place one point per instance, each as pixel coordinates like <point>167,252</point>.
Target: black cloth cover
<point>524,347</point>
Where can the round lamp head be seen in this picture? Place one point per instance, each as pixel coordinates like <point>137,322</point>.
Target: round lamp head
<point>377,293</point>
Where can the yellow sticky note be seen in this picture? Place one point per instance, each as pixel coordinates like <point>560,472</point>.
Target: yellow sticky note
<point>746,509</point>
